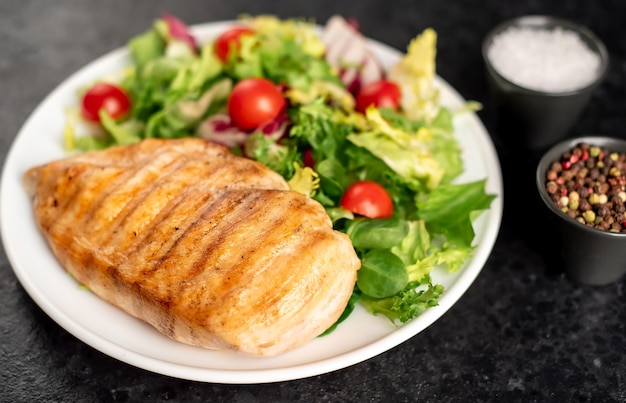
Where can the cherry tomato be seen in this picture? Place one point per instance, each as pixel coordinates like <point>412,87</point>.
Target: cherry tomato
<point>368,199</point>
<point>382,94</point>
<point>105,96</point>
<point>253,102</point>
<point>230,38</point>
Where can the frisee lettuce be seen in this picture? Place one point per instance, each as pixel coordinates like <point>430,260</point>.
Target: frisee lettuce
<point>407,304</point>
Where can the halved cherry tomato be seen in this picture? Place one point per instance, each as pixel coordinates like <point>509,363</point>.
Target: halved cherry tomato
<point>230,38</point>
<point>369,199</point>
<point>253,102</point>
<point>382,94</point>
<point>105,96</point>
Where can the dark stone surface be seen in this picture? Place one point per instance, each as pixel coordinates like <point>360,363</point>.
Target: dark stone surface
<point>522,332</point>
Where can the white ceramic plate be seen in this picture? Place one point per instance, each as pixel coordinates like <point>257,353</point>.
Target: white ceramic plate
<point>119,335</point>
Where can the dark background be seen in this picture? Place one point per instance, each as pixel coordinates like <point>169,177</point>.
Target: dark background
<point>522,332</point>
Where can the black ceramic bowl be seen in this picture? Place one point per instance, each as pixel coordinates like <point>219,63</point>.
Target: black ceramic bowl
<point>538,119</point>
<point>588,255</point>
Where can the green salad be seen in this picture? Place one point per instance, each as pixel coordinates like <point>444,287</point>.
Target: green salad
<point>373,146</point>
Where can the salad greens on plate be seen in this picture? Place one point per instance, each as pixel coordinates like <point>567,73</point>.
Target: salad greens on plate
<point>374,147</point>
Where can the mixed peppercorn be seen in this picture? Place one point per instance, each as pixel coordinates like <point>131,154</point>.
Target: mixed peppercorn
<point>588,183</point>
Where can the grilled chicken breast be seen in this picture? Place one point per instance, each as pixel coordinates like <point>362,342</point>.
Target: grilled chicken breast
<point>211,249</point>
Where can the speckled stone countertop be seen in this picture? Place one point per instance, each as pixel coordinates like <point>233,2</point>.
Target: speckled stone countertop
<point>521,333</point>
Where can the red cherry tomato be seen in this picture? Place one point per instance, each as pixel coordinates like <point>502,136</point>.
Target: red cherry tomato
<point>368,199</point>
<point>382,94</point>
<point>230,38</point>
<point>105,96</point>
<point>253,102</point>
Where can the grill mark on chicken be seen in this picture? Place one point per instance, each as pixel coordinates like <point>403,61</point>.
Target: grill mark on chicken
<point>125,196</point>
<point>268,245</point>
<point>271,232</point>
<point>169,225</point>
<point>210,248</point>
<point>242,209</point>
<point>108,186</point>
<point>76,179</point>
<point>184,196</point>
<point>291,293</point>
<point>205,223</point>
<point>216,248</point>
<point>139,217</point>
<point>158,194</point>
<point>89,185</point>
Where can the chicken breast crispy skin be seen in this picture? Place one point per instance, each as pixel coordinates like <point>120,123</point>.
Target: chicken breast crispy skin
<point>211,249</point>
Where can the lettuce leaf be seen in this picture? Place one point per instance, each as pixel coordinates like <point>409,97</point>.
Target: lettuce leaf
<point>449,210</point>
<point>415,74</point>
<point>304,180</point>
<point>181,118</point>
<point>278,157</point>
<point>407,154</point>
<point>281,60</point>
<point>408,304</point>
<point>146,47</point>
<point>123,133</point>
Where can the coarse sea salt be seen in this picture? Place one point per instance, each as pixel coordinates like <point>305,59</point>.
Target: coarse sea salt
<point>549,60</point>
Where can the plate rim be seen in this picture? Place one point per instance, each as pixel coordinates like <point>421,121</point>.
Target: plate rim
<point>469,273</point>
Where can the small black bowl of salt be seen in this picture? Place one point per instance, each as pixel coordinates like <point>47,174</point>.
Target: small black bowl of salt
<point>541,73</point>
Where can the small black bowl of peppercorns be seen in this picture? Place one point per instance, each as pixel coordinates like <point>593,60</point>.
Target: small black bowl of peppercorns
<point>582,181</point>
